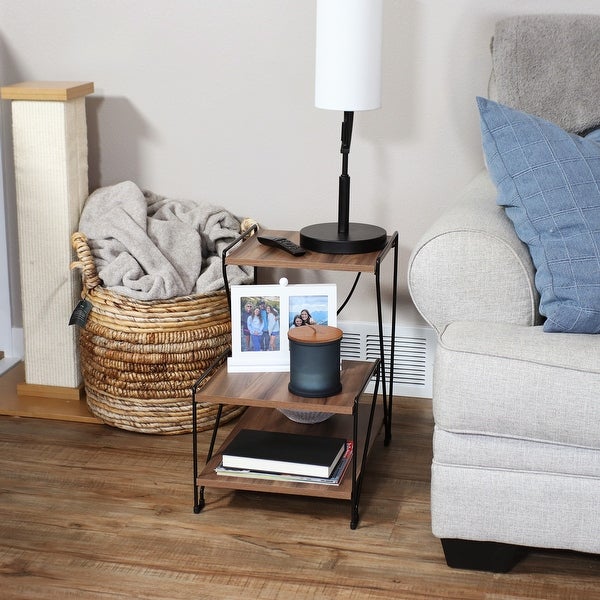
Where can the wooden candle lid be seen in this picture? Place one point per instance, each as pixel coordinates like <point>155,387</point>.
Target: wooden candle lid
<point>315,334</point>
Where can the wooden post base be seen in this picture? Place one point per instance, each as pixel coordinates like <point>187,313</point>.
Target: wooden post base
<point>29,390</point>
<point>19,399</point>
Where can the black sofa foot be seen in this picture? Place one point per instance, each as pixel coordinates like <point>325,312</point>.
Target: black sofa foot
<point>482,556</point>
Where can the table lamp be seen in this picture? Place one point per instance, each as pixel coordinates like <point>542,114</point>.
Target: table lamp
<point>347,78</point>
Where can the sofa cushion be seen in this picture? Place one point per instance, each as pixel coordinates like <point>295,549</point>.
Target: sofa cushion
<point>549,182</point>
<point>498,379</point>
<point>491,452</point>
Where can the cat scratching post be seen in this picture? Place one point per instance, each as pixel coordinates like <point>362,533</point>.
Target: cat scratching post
<point>51,177</point>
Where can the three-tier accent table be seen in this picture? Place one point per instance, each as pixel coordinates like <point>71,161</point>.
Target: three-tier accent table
<point>353,418</point>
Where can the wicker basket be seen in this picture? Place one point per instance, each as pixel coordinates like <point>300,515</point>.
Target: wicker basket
<point>140,359</point>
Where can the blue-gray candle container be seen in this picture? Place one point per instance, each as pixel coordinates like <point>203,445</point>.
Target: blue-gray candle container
<point>315,361</point>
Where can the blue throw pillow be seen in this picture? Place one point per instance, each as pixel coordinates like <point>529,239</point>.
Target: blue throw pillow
<point>549,182</point>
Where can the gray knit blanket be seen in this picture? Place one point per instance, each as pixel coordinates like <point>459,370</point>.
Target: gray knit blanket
<point>149,247</point>
<point>549,66</point>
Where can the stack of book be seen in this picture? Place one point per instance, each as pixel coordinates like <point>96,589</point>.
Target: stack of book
<point>286,457</point>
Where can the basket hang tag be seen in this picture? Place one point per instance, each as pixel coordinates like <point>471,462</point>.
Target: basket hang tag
<point>81,313</point>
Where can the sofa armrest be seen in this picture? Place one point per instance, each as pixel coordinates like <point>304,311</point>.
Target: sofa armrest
<point>470,265</point>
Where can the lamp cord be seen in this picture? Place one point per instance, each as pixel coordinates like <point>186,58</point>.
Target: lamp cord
<point>341,308</point>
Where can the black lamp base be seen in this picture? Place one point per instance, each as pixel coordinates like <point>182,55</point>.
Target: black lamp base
<point>360,239</point>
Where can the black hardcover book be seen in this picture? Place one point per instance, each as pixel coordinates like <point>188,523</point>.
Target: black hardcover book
<point>279,452</point>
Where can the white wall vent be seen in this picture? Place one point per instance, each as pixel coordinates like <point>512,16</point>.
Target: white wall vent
<point>414,354</point>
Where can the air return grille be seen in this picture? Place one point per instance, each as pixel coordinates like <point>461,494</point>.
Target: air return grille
<point>413,354</point>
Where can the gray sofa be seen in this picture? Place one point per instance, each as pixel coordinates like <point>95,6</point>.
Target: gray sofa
<point>516,448</point>
<point>517,410</point>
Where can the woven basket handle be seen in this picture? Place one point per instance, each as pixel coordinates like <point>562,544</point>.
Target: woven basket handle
<point>85,262</point>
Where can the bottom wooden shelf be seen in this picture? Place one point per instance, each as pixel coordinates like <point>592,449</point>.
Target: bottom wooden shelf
<point>272,420</point>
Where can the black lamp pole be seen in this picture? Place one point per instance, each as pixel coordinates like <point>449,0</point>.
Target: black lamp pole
<point>343,237</point>
<point>344,195</point>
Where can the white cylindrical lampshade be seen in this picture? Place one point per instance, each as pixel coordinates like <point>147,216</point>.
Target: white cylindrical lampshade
<point>348,54</point>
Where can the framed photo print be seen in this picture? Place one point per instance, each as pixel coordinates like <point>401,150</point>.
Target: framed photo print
<point>261,316</point>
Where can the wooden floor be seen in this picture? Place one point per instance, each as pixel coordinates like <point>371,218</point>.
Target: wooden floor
<point>87,511</point>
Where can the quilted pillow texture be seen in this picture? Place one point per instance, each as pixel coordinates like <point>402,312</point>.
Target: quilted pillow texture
<point>548,180</point>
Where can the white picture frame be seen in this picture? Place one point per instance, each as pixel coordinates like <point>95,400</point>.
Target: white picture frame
<point>259,348</point>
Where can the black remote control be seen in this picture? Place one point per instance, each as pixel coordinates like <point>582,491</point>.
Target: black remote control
<point>281,243</point>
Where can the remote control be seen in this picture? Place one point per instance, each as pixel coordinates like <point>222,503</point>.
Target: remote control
<point>281,243</point>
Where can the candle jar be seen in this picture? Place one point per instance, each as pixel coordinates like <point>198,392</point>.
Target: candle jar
<point>315,361</point>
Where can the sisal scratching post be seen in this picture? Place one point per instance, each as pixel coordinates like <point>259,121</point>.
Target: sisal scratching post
<point>51,177</point>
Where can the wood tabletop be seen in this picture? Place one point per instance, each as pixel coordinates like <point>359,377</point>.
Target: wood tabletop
<point>252,253</point>
<point>271,389</point>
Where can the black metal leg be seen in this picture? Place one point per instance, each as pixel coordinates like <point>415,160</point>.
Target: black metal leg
<point>197,493</point>
<point>392,342</point>
<point>199,501</point>
<point>381,352</point>
<point>355,490</point>
<point>387,390</point>
<point>357,480</point>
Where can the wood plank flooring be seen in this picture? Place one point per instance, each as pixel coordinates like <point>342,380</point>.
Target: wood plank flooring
<point>92,512</point>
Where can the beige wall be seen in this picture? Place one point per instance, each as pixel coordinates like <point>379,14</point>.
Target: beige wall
<point>213,99</point>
